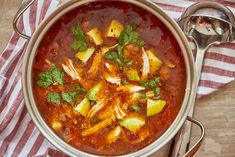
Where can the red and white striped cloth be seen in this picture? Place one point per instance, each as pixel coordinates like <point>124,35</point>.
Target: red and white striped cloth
<point>18,134</point>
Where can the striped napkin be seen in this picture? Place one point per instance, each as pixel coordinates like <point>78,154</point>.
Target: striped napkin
<point>18,134</point>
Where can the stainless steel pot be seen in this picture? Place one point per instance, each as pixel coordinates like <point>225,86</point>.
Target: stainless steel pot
<point>35,40</point>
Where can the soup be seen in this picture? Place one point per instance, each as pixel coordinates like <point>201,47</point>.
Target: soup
<point>109,78</point>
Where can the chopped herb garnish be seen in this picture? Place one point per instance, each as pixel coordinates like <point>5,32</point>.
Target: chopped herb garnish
<point>139,43</point>
<point>120,52</point>
<point>69,97</point>
<point>149,84</point>
<point>79,90</point>
<point>129,35</point>
<point>47,78</point>
<point>157,90</point>
<point>152,84</point>
<point>157,79</point>
<point>129,62</point>
<point>57,75</point>
<point>143,95</point>
<point>54,98</point>
<point>79,43</point>
<point>136,108</point>
<point>111,55</point>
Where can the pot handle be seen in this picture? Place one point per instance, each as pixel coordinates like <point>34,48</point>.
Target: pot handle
<point>190,152</point>
<point>26,4</point>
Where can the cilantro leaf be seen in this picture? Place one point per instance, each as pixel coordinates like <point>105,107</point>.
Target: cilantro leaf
<point>118,62</point>
<point>152,84</point>
<point>45,79</point>
<point>69,97</point>
<point>79,43</point>
<point>129,62</point>
<point>157,90</point>
<point>57,75</point>
<point>157,79</point>
<point>129,35</point>
<point>54,98</point>
<point>111,55</point>
<point>120,52</point>
<point>79,90</point>
<point>139,43</point>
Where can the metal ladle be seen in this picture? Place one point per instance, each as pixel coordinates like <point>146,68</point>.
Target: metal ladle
<point>206,24</point>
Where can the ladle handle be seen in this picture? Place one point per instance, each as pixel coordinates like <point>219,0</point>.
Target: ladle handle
<point>26,4</point>
<point>182,139</point>
<point>196,146</point>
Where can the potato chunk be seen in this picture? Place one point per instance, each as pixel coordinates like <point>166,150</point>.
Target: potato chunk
<point>133,123</point>
<point>132,75</point>
<point>85,55</point>
<point>114,29</point>
<point>93,92</point>
<point>155,63</point>
<point>83,107</point>
<point>96,36</point>
<point>154,107</point>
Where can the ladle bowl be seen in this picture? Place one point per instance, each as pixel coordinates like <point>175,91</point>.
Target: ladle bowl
<point>206,24</point>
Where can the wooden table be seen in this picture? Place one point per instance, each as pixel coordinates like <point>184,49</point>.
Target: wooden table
<point>216,111</point>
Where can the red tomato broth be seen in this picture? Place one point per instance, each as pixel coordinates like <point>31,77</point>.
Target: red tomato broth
<point>56,45</point>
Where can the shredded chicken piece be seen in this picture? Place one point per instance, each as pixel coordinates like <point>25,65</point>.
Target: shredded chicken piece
<point>118,110</point>
<point>146,65</point>
<point>95,64</point>
<point>106,113</point>
<point>97,60</point>
<point>130,88</point>
<point>98,126</point>
<point>70,70</point>
<point>120,114</point>
<point>112,79</point>
<point>49,62</point>
<point>106,49</point>
<point>110,67</point>
<point>96,108</point>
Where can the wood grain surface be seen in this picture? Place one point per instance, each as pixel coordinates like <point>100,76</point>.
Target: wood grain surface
<point>216,111</point>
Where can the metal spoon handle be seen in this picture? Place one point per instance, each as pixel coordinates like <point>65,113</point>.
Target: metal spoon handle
<point>183,138</point>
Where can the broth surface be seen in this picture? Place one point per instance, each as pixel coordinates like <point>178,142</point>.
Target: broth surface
<point>114,119</point>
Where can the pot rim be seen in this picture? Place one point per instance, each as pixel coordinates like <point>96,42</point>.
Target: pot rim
<point>27,77</point>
